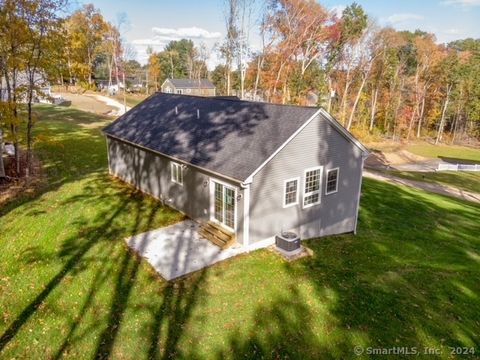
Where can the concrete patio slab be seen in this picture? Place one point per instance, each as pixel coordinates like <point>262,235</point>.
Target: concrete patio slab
<point>177,249</point>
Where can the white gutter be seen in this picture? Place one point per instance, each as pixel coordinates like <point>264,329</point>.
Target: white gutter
<point>236,181</point>
<point>359,192</point>
<point>246,214</point>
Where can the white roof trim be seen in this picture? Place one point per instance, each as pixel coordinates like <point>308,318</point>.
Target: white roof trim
<point>167,79</point>
<point>332,121</point>
<point>344,131</point>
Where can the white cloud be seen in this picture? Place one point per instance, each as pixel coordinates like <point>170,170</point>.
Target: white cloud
<point>402,17</point>
<point>464,3</point>
<point>185,33</point>
<point>453,31</point>
<point>162,36</point>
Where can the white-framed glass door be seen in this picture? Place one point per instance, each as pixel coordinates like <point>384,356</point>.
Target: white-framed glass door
<point>223,205</point>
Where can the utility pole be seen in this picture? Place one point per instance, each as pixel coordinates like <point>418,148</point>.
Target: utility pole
<point>124,92</point>
<point>146,85</point>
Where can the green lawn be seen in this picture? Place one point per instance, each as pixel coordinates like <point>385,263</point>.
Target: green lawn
<point>132,99</point>
<point>447,151</point>
<point>70,288</point>
<point>463,180</point>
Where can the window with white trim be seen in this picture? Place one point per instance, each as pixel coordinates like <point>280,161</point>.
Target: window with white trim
<point>177,173</point>
<point>179,91</point>
<point>311,193</point>
<point>290,194</point>
<point>332,181</point>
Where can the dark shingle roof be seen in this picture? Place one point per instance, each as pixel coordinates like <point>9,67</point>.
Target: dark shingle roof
<point>192,83</point>
<point>231,137</point>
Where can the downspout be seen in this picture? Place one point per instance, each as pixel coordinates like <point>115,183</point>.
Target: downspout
<point>364,156</point>
<point>107,141</point>
<point>246,212</point>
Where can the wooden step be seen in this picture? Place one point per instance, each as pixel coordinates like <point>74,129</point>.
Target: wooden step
<point>217,234</point>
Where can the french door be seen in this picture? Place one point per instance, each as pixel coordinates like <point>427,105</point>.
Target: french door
<point>224,205</point>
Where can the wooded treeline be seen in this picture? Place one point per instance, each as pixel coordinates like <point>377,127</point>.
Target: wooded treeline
<point>374,79</point>
<point>42,43</point>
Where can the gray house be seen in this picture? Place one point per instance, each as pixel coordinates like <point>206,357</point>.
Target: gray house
<point>252,169</point>
<point>200,87</point>
<point>40,83</point>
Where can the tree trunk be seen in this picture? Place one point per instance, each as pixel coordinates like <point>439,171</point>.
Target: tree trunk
<point>345,96</point>
<point>31,86</point>
<point>229,71</point>
<point>412,119</point>
<point>109,76</point>
<point>330,90</point>
<point>12,99</point>
<point>146,80</point>
<point>357,98</point>
<point>420,117</point>
<point>397,108</point>
<point>457,118</point>
<point>28,168</point>
<point>2,166</point>
<point>389,107</point>
<point>280,70</point>
<point>374,106</point>
<point>442,120</point>
<point>257,77</point>
<point>415,105</point>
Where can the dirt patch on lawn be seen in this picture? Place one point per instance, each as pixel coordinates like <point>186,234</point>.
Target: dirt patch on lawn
<point>388,154</point>
<point>87,103</point>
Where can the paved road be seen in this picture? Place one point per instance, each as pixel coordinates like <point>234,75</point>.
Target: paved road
<point>432,187</point>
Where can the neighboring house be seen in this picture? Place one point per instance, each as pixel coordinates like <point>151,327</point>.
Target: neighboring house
<point>40,82</point>
<point>200,87</point>
<point>256,169</point>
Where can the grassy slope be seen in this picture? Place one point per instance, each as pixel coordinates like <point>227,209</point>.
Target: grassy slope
<point>132,99</point>
<point>69,287</point>
<point>469,181</point>
<point>448,151</point>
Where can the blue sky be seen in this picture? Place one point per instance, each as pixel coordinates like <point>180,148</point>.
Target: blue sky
<point>157,22</point>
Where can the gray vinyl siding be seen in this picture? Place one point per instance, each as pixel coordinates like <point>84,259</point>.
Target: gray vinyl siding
<point>318,144</point>
<point>151,173</point>
<point>188,91</point>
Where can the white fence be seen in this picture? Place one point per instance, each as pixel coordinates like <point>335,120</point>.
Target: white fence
<point>458,167</point>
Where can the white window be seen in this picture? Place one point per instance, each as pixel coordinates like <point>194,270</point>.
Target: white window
<point>332,181</point>
<point>177,173</point>
<point>179,91</point>
<point>290,195</point>
<point>311,192</point>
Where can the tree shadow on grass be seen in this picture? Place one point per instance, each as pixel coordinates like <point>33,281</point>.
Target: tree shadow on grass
<point>408,279</point>
<point>74,250</point>
<point>456,161</point>
<point>95,246</point>
<point>70,146</point>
